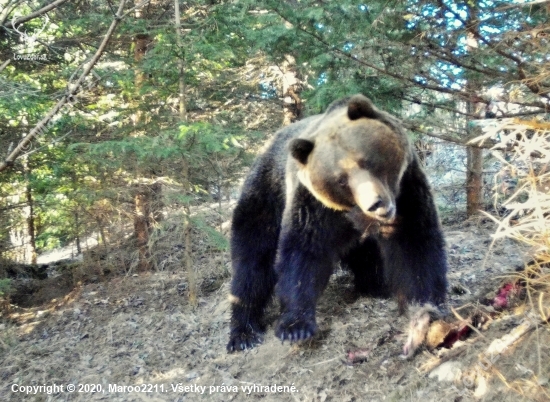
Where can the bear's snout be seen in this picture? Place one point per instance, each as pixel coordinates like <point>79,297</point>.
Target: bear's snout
<point>383,210</point>
<point>372,197</point>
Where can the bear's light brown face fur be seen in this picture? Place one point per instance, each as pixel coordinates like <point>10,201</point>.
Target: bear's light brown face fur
<point>350,159</point>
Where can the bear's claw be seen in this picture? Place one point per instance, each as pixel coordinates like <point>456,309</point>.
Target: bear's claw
<point>243,340</point>
<point>295,330</point>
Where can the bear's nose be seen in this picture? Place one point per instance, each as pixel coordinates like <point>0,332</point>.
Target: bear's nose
<point>383,210</point>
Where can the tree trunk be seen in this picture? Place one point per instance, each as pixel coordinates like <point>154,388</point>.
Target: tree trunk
<point>474,169</point>
<point>77,233</point>
<point>187,257</point>
<point>474,156</point>
<point>292,103</point>
<point>147,211</point>
<point>141,41</point>
<point>145,194</point>
<point>4,234</point>
<point>181,62</point>
<point>474,180</point>
<point>142,212</point>
<point>157,203</point>
<point>29,238</point>
<point>31,244</point>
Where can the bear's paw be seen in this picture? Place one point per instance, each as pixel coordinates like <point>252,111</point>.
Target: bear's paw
<point>242,339</point>
<point>294,329</point>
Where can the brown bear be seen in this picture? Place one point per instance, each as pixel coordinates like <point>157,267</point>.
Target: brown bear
<point>341,187</point>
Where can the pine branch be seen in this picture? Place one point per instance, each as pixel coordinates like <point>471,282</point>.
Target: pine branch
<point>473,29</point>
<point>347,55</point>
<point>466,95</point>
<point>446,55</point>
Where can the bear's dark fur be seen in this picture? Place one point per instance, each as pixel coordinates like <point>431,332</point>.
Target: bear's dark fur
<point>344,186</point>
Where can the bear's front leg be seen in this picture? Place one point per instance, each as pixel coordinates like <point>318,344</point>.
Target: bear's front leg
<point>254,236</point>
<point>303,274</point>
<point>415,257</point>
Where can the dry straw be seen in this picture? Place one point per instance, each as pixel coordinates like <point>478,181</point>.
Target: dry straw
<point>522,190</point>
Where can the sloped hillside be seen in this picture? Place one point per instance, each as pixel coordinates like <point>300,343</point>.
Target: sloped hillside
<point>136,338</point>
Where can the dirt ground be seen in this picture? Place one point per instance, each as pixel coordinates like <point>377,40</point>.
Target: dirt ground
<point>136,338</point>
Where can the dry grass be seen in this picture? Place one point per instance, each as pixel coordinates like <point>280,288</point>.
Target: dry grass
<point>524,187</point>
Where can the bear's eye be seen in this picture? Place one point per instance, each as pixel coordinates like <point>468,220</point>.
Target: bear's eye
<point>343,180</point>
<point>365,164</point>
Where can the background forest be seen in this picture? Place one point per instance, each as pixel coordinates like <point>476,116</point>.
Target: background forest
<point>102,128</point>
<point>126,128</point>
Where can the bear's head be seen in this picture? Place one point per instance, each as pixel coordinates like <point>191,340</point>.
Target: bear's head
<point>354,155</point>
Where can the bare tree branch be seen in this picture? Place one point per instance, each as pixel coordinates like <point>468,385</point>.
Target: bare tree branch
<point>4,65</point>
<point>38,13</point>
<point>8,9</point>
<point>419,101</point>
<point>40,126</point>
<point>414,126</point>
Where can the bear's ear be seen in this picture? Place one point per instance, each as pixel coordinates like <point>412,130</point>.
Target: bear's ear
<point>361,106</point>
<point>300,149</point>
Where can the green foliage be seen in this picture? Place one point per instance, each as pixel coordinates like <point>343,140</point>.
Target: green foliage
<point>5,286</point>
<point>329,44</point>
<point>125,129</point>
<point>215,238</point>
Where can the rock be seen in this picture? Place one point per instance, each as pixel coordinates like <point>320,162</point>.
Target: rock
<point>447,371</point>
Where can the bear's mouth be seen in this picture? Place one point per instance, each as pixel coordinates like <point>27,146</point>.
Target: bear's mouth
<point>368,224</point>
<point>381,212</point>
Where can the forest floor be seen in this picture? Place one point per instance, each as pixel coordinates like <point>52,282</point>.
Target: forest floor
<point>140,330</point>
